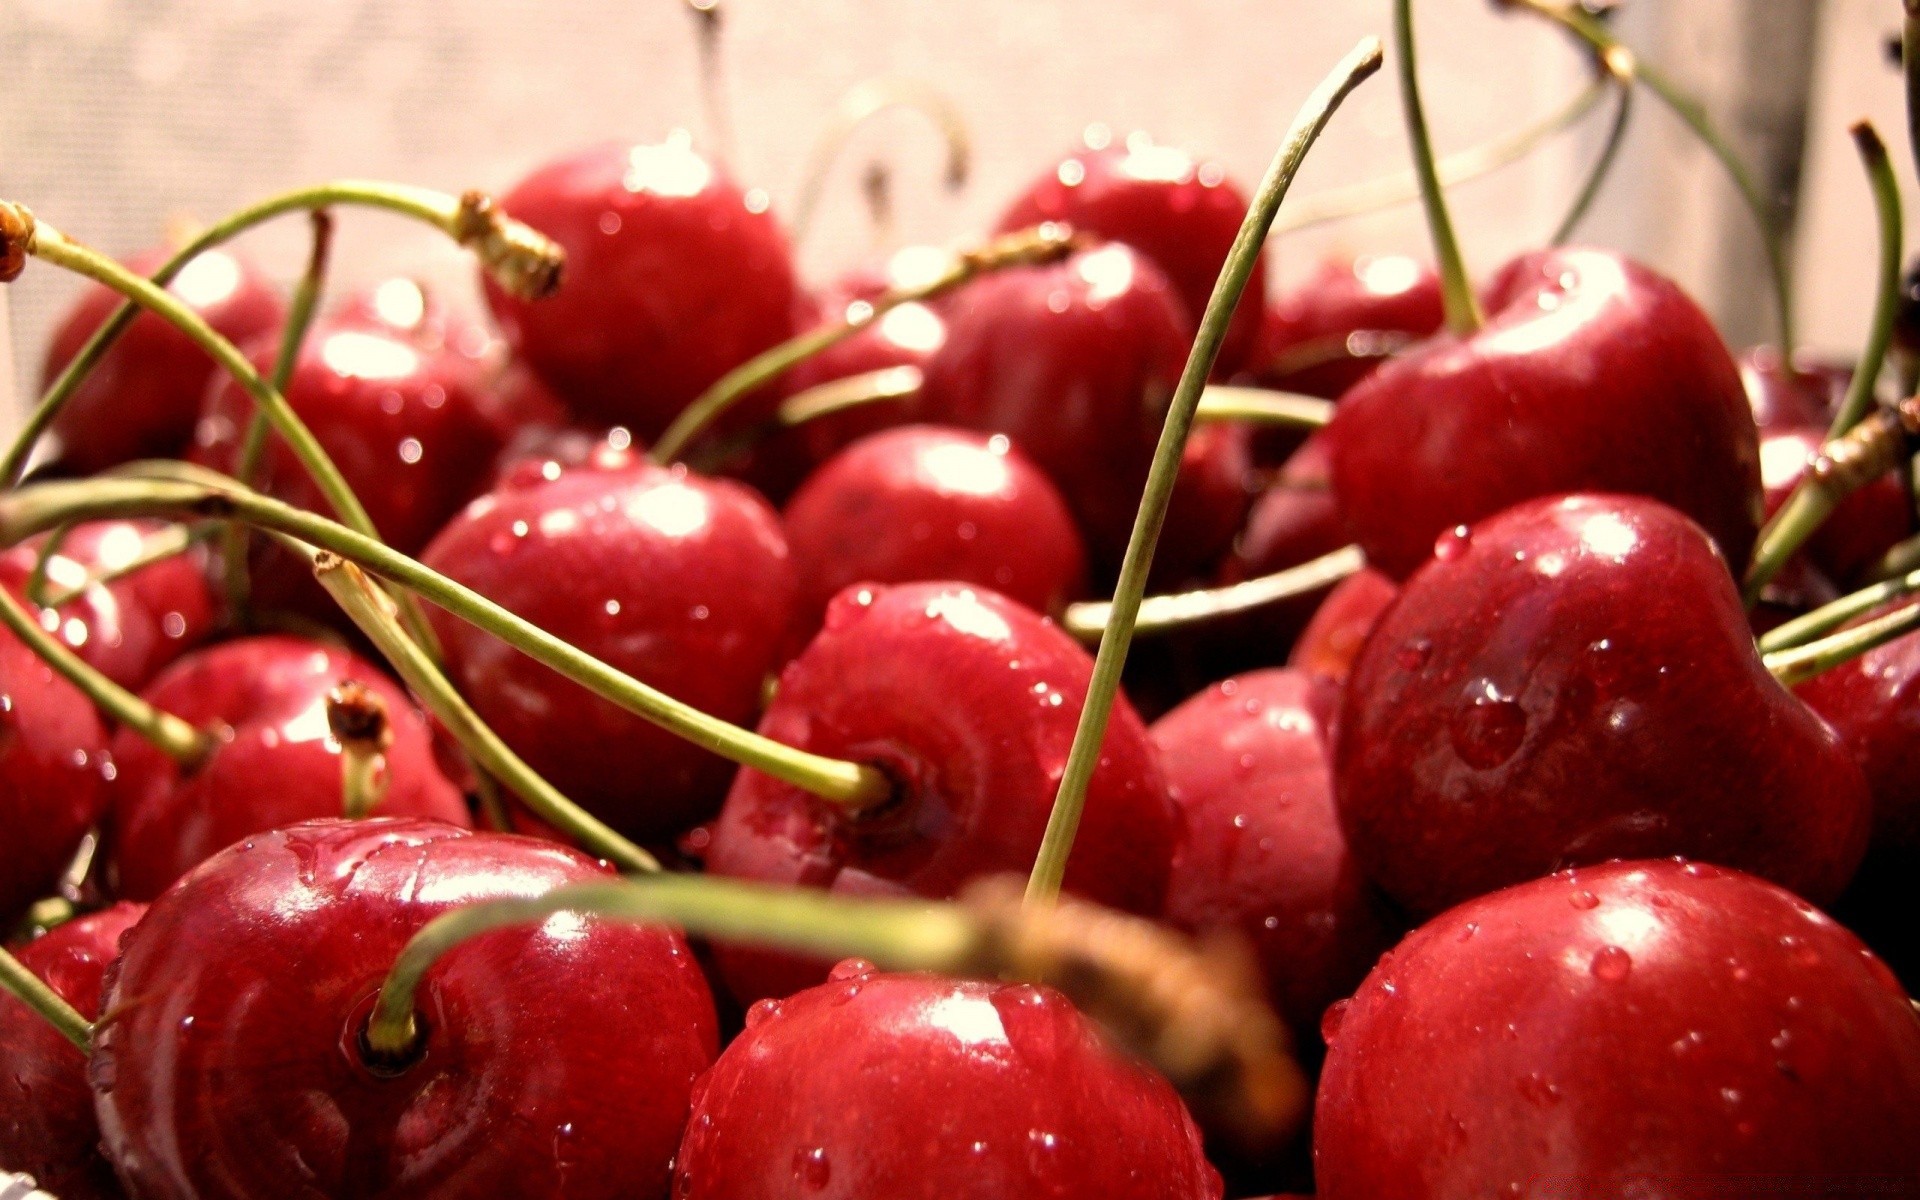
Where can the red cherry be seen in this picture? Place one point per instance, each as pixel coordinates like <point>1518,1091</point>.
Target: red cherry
<point>1331,641</point>
<point>921,502</point>
<point>1574,681</point>
<point>1808,393</point>
<point>1592,373</point>
<point>1210,499</point>
<point>1873,701</point>
<point>673,277</point>
<point>1009,1092</point>
<point>1293,521</point>
<point>274,763</point>
<point>1343,321</point>
<point>683,582</point>
<point>47,1126</point>
<point>1262,852</point>
<point>408,309</point>
<point>128,628</point>
<point>1860,529</point>
<point>558,1059</point>
<point>1631,1029</point>
<point>142,399</point>
<point>1181,213</point>
<point>969,702</point>
<point>53,767</point>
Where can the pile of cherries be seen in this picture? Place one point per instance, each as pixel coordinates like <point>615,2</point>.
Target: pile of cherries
<point>1531,846</point>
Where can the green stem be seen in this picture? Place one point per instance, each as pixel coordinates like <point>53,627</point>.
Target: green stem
<point>1903,558</point>
<point>1088,621</point>
<point>1064,821</point>
<point>1456,287</point>
<point>36,586</point>
<point>1803,662</point>
<point>154,548</point>
<point>1886,295</point>
<point>1786,532</point>
<point>861,104</point>
<point>1910,66</point>
<point>1620,68</point>
<point>713,101</point>
<point>854,391</point>
<point>1263,406</point>
<point>1831,616</point>
<point>33,992</point>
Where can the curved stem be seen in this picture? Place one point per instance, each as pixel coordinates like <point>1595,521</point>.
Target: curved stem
<point>860,104</point>
<point>33,992</point>
<point>1456,288</point>
<point>708,20</point>
<point>1901,559</point>
<point>1620,68</point>
<point>154,548</point>
<point>1088,620</point>
<point>1831,616</point>
<point>854,391</point>
<point>1064,821</point>
<point>1910,67</point>
<point>1263,406</point>
<point>1886,294</point>
<point>1803,662</point>
<point>36,586</point>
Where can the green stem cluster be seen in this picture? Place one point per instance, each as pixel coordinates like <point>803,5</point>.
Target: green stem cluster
<point>1801,663</point>
<point>1456,286</point>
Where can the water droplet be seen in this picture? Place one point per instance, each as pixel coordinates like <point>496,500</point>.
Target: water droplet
<point>613,608</point>
<point>1730,1097</point>
<point>1332,1019</point>
<point>1239,820</point>
<point>1584,899</point>
<point>1489,729</point>
<point>852,968</point>
<point>411,450</point>
<point>761,1010</point>
<point>811,1169</point>
<point>1455,542</point>
<point>1468,930</point>
<point>1537,1090</point>
<point>1611,964</point>
<point>1414,654</point>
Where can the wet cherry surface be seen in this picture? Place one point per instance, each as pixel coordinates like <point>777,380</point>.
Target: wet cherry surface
<point>1343,321</point>
<point>1332,639</point>
<point>53,775</point>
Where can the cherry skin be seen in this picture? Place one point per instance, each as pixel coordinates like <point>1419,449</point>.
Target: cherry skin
<point>681,581</point>
<point>1864,525</point>
<point>921,502</point>
<point>1011,1092</point>
<point>1331,641</point>
<point>1261,851</point>
<point>1345,319</point>
<point>558,1059</point>
<point>1806,394</point>
<point>1637,1027</point>
<point>274,763</point>
<point>130,627</point>
<point>969,702</point>
<point>1181,213</point>
<point>1574,681</point>
<point>1293,520</point>
<point>1592,373</point>
<point>142,399</point>
<point>674,276</point>
<point>47,1126</point>
<point>53,768</point>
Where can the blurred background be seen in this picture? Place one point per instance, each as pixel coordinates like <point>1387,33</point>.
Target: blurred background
<point>120,116</point>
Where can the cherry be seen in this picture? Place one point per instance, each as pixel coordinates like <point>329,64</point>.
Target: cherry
<point>969,702</point>
<point>1010,1092</point>
<point>1592,373</point>
<point>1261,851</point>
<point>1572,681</point>
<point>556,1059</point>
<point>1179,212</point>
<point>129,627</point>
<point>274,763</point>
<point>1331,641</point>
<point>47,1126</point>
<point>408,309</point>
<point>1807,394</point>
<point>1293,521</point>
<point>674,275</point>
<point>1620,1030</point>
<point>681,581</point>
<point>53,768</point>
<point>920,502</point>
<point>142,398</point>
<point>1345,319</point>
<point>1860,529</point>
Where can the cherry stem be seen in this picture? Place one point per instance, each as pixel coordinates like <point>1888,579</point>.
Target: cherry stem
<point>521,260</point>
<point>1620,67</point>
<point>358,720</point>
<point>1456,288</point>
<point>36,586</point>
<point>1886,294</point>
<point>1803,662</point>
<point>372,610</point>
<point>708,21</point>
<point>1263,406</point>
<point>1028,247</point>
<point>195,494</point>
<point>33,992</point>
<point>1043,887</point>
<point>1088,620</point>
<point>155,547</point>
<point>1901,559</point>
<point>1910,67</point>
<point>1832,615</point>
<point>853,391</point>
<point>859,105</point>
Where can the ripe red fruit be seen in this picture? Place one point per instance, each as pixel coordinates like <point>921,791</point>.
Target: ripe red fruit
<point>910,1086</point>
<point>1861,528</point>
<point>558,1058</point>
<point>681,581</point>
<point>1331,641</point>
<point>275,762</point>
<point>1343,321</point>
<point>47,1126</point>
<point>1592,373</point>
<point>1294,520</point>
<point>1574,681</point>
<point>1808,393</point>
<point>1631,1029</point>
<point>53,766</point>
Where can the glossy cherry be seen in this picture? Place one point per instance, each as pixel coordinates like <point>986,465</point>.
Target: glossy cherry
<point>47,1126</point>
<point>558,1058</point>
<point>674,276</point>
<point>53,775</point>
<point>1861,528</point>
<point>1640,1028</point>
<point>1572,681</point>
<point>143,398</point>
<point>682,581</point>
<point>1293,520</point>
<point>274,762</point>
<point>1331,641</point>
<point>1806,394</point>
<point>911,1086</point>
<point>969,702</point>
<point>1873,702</point>
<point>1592,373</point>
<point>1343,321</point>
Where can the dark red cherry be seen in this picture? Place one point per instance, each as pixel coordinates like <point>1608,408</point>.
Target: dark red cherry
<point>1011,1092</point>
<point>1640,1028</point>
<point>1873,701</point>
<point>1262,852</point>
<point>53,775</point>
<point>1331,641</point>
<point>1863,526</point>
<point>132,626</point>
<point>558,1058</point>
<point>1346,318</point>
<point>1293,520</point>
<point>969,702</point>
<point>674,276</point>
<point>47,1126</point>
<point>1574,681</point>
<point>274,763</point>
<point>1806,394</point>
<point>683,582</point>
<point>921,502</point>
<point>409,309</point>
<point>1178,211</point>
<point>1592,373</point>
<point>1215,487</point>
<point>143,398</point>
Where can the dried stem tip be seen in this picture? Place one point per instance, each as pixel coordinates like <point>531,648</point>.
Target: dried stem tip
<point>520,258</point>
<point>357,718</point>
<point>16,239</point>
